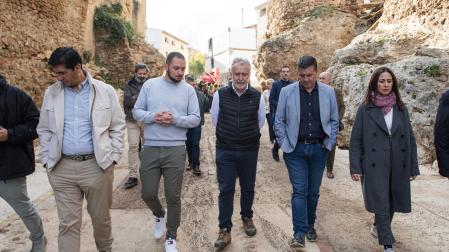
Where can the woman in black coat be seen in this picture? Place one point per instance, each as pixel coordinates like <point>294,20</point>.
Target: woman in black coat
<point>383,153</point>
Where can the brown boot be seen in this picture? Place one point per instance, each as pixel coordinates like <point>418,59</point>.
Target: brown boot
<point>224,238</point>
<point>249,227</point>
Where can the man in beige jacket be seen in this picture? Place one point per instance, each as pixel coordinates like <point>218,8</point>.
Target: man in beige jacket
<point>81,131</point>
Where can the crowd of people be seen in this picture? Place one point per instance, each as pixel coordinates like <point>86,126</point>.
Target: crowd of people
<point>81,128</point>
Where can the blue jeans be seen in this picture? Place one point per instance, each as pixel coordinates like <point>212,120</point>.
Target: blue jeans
<point>193,145</point>
<point>230,165</point>
<point>305,169</point>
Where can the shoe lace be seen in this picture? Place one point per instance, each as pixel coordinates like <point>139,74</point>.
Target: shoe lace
<point>222,234</point>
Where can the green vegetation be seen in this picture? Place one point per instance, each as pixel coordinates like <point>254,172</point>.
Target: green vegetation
<point>433,70</point>
<point>320,10</point>
<point>196,64</point>
<point>108,18</point>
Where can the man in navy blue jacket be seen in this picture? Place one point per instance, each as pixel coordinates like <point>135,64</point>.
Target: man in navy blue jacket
<point>274,97</point>
<point>18,120</point>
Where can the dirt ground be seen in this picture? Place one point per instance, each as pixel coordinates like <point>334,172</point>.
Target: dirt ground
<point>343,223</point>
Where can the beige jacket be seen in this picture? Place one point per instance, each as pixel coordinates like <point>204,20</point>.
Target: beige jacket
<point>107,117</point>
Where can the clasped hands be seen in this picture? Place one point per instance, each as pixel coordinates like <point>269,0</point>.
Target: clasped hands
<point>164,118</point>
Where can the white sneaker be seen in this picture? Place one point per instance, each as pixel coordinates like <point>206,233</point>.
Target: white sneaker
<point>159,226</point>
<point>389,250</point>
<point>170,245</point>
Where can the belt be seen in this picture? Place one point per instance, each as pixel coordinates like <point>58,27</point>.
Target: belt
<point>310,141</point>
<point>79,157</point>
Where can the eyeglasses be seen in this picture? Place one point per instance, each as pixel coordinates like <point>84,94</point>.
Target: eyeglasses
<point>60,73</point>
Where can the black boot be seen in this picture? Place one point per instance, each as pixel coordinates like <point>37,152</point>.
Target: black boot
<point>132,182</point>
<point>196,170</point>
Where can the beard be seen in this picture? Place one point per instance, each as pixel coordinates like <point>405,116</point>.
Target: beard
<point>171,78</point>
<point>140,80</point>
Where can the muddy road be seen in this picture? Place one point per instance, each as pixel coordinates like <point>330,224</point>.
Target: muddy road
<point>342,224</point>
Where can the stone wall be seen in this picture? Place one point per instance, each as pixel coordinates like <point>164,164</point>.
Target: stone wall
<point>284,15</point>
<point>118,61</point>
<point>318,36</point>
<point>31,29</point>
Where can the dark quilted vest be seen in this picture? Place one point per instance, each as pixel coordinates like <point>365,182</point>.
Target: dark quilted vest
<point>238,124</point>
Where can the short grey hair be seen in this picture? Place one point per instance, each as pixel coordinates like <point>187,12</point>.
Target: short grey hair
<point>240,61</point>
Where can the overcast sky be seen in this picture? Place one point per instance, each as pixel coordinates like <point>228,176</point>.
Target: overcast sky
<point>197,20</point>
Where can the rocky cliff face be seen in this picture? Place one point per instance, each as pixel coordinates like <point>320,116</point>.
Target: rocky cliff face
<point>320,33</point>
<point>285,15</point>
<point>412,38</point>
<point>31,29</point>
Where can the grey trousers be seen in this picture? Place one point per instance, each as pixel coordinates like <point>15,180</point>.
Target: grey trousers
<point>170,163</point>
<point>14,192</point>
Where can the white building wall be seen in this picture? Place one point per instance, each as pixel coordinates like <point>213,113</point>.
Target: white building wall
<point>153,37</point>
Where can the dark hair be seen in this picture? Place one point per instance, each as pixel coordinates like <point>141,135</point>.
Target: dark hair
<point>173,55</point>
<point>139,66</point>
<point>285,66</point>
<point>66,56</point>
<point>2,80</point>
<point>372,86</point>
<point>189,77</point>
<point>307,61</point>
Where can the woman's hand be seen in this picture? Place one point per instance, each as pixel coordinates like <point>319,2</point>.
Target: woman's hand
<point>356,177</point>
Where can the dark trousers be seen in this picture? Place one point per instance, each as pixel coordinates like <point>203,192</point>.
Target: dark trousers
<point>193,145</point>
<point>230,165</point>
<point>270,121</point>
<point>305,166</point>
<point>383,225</point>
<point>330,159</point>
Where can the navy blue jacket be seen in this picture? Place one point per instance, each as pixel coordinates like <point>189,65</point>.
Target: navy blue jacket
<point>274,94</point>
<point>20,117</point>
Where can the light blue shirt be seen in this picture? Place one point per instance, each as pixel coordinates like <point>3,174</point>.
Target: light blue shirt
<point>77,136</point>
<point>215,109</point>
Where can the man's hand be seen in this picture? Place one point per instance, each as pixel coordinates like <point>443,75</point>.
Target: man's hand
<point>164,118</point>
<point>356,177</point>
<point>167,118</point>
<point>3,134</point>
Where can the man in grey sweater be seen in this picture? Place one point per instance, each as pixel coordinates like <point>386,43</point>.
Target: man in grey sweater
<point>167,106</point>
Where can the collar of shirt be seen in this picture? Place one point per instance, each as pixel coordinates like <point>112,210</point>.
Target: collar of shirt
<point>235,90</point>
<point>302,89</point>
<point>83,84</point>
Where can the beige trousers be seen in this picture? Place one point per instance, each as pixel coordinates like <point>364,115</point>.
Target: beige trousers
<point>135,135</point>
<point>72,181</point>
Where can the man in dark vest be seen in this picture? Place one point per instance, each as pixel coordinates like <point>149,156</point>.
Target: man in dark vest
<point>18,120</point>
<point>238,113</point>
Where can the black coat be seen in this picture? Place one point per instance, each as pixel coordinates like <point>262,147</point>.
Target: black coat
<point>130,93</point>
<point>386,162</point>
<point>203,103</point>
<point>19,115</point>
<point>442,135</point>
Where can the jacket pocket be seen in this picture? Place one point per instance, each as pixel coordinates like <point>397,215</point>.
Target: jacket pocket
<point>101,116</point>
